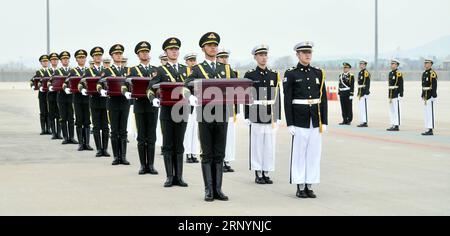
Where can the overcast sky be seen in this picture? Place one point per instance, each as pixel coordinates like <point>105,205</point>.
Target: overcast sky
<point>337,27</point>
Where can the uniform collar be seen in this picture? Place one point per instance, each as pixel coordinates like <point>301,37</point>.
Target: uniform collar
<point>304,68</point>
<point>262,70</point>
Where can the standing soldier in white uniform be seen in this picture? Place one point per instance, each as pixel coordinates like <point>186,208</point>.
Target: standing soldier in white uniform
<point>363,94</point>
<point>263,116</point>
<point>429,95</point>
<point>395,94</point>
<point>306,108</point>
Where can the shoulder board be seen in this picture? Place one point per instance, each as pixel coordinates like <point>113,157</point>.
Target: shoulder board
<point>399,74</point>
<point>250,71</point>
<point>433,74</point>
<point>292,68</point>
<point>366,74</point>
<point>274,71</point>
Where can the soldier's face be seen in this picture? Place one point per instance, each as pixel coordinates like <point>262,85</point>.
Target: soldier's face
<point>305,57</point>
<point>81,61</point>
<point>117,57</point>
<point>144,56</point>
<point>210,49</point>
<point>394,66</point>
<point>261,59</point>
<point>428,65</point>
<point>163,62</point>
<point>362,66</point>
<point>54,63</point>
<point>346,69</point>
<point>44,64</point>
<point>223,60</point>
<point>173,53</point>
<point>98,59</point>
<point>65,62</point>
<point>191,62</point>
<point>107,65</point>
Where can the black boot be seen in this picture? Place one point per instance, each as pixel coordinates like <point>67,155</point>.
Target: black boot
<point>105,141</point>
<point>142,159</point>
<point>428,133</point>
<point>189,159</point>
<point>218,194</point>
<point>179,171</point>
<point>363,125</point>
<point>259,179</point>
<point>227,168</point>
<point>48,129</point>
<point>169,171</point>
<point>58,129</point>
<point>71,129</point>
<point>65,134</point>
<point>394,128</point>
<point>208,180</point>
<point>123,152</point>
<point>53,128</point>
<point>151,160</point>
<point>98,143</point>
<point>194,159</point>
<point>87,137</point>
<point>42,126</point>
<point>115,147</point>
<point>80,138</point>
<point>301,193</point>
<point>267,178</point>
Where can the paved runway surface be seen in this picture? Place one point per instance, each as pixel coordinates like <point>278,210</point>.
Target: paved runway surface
<point>364,171</point>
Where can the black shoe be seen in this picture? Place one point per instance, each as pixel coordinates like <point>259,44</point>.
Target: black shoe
<point>393,129</point>
<point>80,147</point>
<point>218,194</point>
<point>105,153</point>
<point>123,153</point>
<point>65,142</point>
<point>99,153</point>
<point>208,181</point>
<point>105,142</point>
<point>73,141</point>
<point>116,161</point>
<point>189,159</point>
<point>142,170</point>
<point>267,179</point>
<point>301,193</point>
<point>310,193</point>
<point>260,180</point>
<point>428,133</point>
<point>194,159</point>
<point>150,151</point>
<point>363,125</point>
<point>227,168</point>
<point>151,170</point>
<point>142,159</point>
<point>343,123</point>
<point>115,147</point>
<point>168,164</point>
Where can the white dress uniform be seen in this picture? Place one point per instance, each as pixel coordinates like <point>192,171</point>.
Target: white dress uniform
<point>363,95</point>
<point>395,94</point>
<point>230,150</point>
<point>429,95</point>
<point>306,108</point>
<point>191,140</point>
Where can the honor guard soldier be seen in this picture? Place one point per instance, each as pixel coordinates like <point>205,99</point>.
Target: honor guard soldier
<point>65,102</point>
<point>81,104</point>
<point>173,118</point>
<point>191,142</point>
<point>53,111</point>
<point>395,94</point>
<point>230,152</point>
<point>363,94</point>
<point>429,95</point>
<point>306,108</point>
<point>145,113</point>
<point>98,105</point>
<point>263,116</point>
<point>346,92</point>
<point>42,96</point>
<point>106,63</point>
<point>118,107</point>
<point>212,132</point>
<point>163,59</point>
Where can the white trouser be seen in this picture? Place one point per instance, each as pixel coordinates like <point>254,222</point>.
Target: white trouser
<point>191,141</point>
<point>394,112</point>
<point>262,147</point>
<point>131,124</point>
<point>364,109</point>
<point>306,153</point>
<point>230,150</point>
<point>429,114</point>
<point>159,137</point>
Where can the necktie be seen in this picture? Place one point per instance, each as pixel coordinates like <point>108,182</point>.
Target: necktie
<point>175,68</point>
<point>213,66</point>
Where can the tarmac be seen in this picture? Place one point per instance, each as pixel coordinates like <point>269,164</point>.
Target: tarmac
<point>364,171</point>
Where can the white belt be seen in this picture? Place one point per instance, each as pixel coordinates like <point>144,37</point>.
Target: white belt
<point>393,87</point>
<point>427,88</point>
<point>264,102</point>
<point>361,86</point>
<point>305,101</point>
<point>344,89</point>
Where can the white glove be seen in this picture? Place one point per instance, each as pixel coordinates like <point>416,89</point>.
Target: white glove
<point>248,122</point>
<point>50,89</point>
<point>104,93</point>
<point>351,97</point>
<point>324,128</point>
<point>67,90</point>
<point>41,89</point>
<point>292,130</point>
<point>432,99</point>
<point>128,95</point>
<point>193,101</point>
<point>278,122</point>
<point>32,87</point>
<point>84,92</point>
<point>156,102</point>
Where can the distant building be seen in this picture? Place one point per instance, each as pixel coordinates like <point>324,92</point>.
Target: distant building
<point>446,65</point>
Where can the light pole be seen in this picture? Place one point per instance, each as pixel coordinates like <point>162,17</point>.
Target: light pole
<point>376,41</point>
<point>48,27</point>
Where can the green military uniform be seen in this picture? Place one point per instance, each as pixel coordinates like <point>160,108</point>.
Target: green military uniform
<point>173,128</point>
<point>119,109</point>
<point>81,107</point>
<point>65,105</point>
<point>98,109</point>
<point>42,96</point>
<point>53,111</point>
<point>213,134</point>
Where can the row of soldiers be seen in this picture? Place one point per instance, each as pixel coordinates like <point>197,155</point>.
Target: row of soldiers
<point>395,94</point>
<point>305,102</point>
